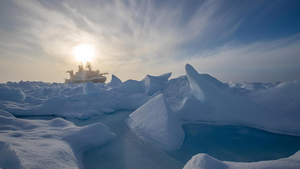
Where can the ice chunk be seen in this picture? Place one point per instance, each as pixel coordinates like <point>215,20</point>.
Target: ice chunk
<point>233,84</point>
<point>83,117</point>
<point>91,89</point>
<point>163,77</point>
<point>204,161</point>
<point>46,91</point>
<point>12,94</point>
<point>155,83</point>
<point>93,134</point>
<point>8,156</point>
<point>78,106</point>
<point>82,106</point>
<point>213,81</point>
<point>253,86</point>
<point>77,90</point>
<point>51,105</point>
<point>192,109</point>
<point>149,85</point>
<point>155,122</point>
<point>59,122</point>
<point>115,81</point>
<point>132,86</point>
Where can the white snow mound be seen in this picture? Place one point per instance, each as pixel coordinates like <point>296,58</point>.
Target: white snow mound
<point>237,110</point>
<point>91,89</point>
<point>156,123</point>
<point>284,97</point>
<point>155,83</point>
<point>149,85</point>
<point>46,144</point>
<point>12,94</point>
<point>204,161</point>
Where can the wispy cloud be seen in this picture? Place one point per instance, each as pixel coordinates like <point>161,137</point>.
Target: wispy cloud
<point>133,38</point>
<point>264,61</point>
<point>118,28</point>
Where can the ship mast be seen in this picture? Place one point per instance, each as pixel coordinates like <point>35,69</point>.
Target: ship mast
<point>80,68</point>
<point>89,66</point>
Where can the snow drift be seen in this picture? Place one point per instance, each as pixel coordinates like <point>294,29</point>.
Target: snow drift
<point>79,100</point>
<point>283,97</point>
<point>204,161</point>
<point>46,144</point>
<point>149,85</point>
<point>233,109</point>
<point>193,98</point>
<point>161,106</point>
<point>12,94</point>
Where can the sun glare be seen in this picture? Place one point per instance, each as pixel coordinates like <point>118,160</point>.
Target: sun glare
<point>84,53</point>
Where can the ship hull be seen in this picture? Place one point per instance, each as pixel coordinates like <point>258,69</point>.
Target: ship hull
<point>101,79</point>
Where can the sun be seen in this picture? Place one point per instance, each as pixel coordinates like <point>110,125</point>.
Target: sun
<point>84,53</point>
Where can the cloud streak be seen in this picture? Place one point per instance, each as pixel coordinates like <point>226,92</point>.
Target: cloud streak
<point>134,38</point>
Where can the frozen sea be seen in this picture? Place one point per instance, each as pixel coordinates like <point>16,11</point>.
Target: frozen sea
<point>224,142</point>
<point>193,121</point>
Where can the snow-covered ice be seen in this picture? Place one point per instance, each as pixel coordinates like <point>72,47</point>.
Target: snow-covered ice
<point>149,85</point>
<point>283,97</point>
<point>47,144</point>
<point>115,81</point>
<point>204,161</point>
<point>12,94</point>
<point>78,100</point>
<point>233,109</point>
<point>160,108</point>
<point>157,123</point>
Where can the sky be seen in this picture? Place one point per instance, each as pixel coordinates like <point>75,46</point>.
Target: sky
<point>232,40</point>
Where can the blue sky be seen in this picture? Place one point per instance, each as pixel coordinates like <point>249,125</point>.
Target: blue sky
<point>231,40</point>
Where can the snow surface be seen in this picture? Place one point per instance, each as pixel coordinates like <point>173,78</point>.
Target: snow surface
<point>149,85</point>
<point>47,144</point>
<point>233,109</point>
<point>11,94</point>
<point>78,100</point>
<point>204,161</point>
<point>283,97</point>
<point>161,106</point>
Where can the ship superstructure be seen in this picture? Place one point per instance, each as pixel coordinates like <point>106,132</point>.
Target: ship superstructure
<point>86,75</point>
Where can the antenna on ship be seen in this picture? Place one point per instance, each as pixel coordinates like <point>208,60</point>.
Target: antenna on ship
<point>80,67</point>
<point>89,66</point>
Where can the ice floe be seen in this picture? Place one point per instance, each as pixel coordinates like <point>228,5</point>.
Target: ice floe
<point>47,144</point>
<point>204,161</point>
<point>161,107</point>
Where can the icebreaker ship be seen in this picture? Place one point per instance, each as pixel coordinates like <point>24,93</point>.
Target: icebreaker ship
<point>86,75</point>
